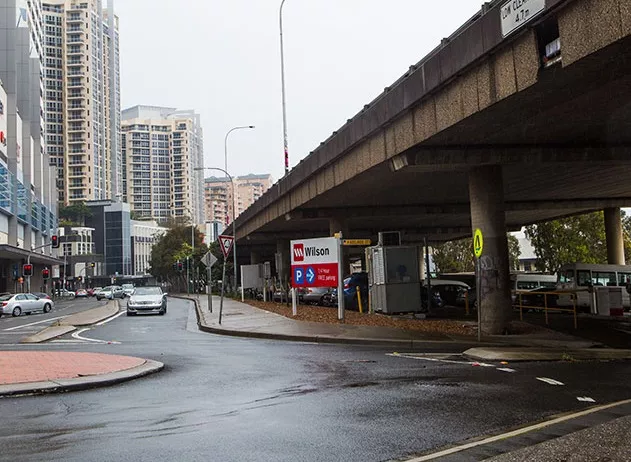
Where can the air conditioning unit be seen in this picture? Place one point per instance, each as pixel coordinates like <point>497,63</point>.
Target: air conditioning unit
<point>390,238</point>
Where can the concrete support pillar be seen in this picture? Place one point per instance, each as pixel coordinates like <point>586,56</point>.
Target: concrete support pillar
<point>614,236</point>
<point>486,194</point>
<point>255,257</point>
<point>337,225</point>
<point>282,250</point>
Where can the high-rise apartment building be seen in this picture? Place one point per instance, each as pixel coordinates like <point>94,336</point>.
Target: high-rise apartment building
<point>82,95</point>
<point>162,147</point>
<point>218,195</point>
<point>28,205</point>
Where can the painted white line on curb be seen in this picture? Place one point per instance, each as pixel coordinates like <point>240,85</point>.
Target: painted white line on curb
<point>518,432</point>
<point>586,399</point>
<point>111,319</point>
<point>77,335</point>
<point>550,381</point>
<point>34,323</point>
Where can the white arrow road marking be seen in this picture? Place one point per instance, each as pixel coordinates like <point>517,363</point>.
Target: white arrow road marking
<point>34,323</point>
<point>505,369</point>
<point>586,399</point>
<point>450,361</point>
<point>550,381</point>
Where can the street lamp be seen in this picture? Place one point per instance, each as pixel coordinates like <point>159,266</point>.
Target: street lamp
<point>282,80</point>
<point>234,193</point>
<point>234,228</point>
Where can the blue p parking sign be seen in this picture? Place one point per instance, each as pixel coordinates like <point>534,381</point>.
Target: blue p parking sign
<point>299,276</point>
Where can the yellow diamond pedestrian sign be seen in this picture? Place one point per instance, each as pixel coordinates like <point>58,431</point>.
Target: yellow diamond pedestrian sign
<point>478,243</point>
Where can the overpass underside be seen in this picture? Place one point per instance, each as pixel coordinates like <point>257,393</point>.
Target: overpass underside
<point>563,144</point>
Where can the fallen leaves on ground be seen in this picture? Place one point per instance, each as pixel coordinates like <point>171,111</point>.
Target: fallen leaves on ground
<point>437,326</point>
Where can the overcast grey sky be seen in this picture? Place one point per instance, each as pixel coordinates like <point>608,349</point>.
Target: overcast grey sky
<point>222,58</point>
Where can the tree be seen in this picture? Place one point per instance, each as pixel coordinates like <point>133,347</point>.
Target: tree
<point>457,256</point>
<point>74,214</point>
<point>578,239</point>
<point>454,257</point>
<point>175,246</point>
<point>513,252</point>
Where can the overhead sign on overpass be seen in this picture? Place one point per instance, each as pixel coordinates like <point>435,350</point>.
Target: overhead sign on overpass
<point>314,262</point>
<point>516,13</point>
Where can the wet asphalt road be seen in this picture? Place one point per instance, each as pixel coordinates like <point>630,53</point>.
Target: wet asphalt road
<point>230,399</point>
<point>13,329</point>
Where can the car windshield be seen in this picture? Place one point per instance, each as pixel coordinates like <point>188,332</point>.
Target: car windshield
<point>106,289</point>
<point>128,286</point>
<point>148,291</point>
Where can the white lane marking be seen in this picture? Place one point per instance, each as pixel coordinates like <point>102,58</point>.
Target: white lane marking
<point>586,399</point>
<point>450,361</point>
<point>518,432</point>
<point>34,323</point>
<point>505,369</point>
<point>111,319</point>
<point>550,381</point>
<point>77,335</point>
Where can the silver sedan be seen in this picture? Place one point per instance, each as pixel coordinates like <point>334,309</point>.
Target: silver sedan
<point>147,300</point>
<point>18,304</point>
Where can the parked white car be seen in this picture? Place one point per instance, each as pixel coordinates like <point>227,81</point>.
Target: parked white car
<point>18,304</point>
<point>110,293</point>
<point>128,289</point>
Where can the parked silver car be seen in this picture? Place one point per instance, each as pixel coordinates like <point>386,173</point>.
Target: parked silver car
<point>18,304</point>
<point>147,300</point>
<point>315,295</point>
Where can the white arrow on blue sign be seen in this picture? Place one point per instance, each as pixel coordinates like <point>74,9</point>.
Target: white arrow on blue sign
<point>310,275</point>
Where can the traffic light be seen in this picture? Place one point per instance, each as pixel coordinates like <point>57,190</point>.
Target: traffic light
<point>45,274</point>
<point>54,240</point>
<point>92,265</point>
<point>27,270</point>
<point>180,266</point>
<point>79,278</point>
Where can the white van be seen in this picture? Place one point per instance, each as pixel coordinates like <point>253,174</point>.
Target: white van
<point>582,276</point>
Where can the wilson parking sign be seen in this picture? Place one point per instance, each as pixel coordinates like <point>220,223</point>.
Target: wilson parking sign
<point>314,262</point>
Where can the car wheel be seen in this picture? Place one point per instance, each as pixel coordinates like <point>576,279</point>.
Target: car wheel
<point>47,308</point>
<point>17,311</point>
<point>129,313</point>
<point>162,312</point>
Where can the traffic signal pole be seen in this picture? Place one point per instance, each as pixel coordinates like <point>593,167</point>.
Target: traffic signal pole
<point>28,262</point>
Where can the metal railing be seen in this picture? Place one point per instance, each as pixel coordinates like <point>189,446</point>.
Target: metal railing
<point>519,303</point>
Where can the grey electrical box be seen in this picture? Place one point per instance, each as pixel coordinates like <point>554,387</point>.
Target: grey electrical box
<point>394,280</point>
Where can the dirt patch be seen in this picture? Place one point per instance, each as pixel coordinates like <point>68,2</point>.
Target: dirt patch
<point>442,326</point>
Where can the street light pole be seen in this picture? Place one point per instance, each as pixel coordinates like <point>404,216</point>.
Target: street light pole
<point>282,80</point>
<point>234,195</point>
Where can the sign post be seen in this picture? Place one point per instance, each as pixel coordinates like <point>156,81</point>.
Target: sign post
<point>478,247</point>
<point>209,260</point>
<point>316,263</point>
<point>225,242</point>
<point>340,278</point>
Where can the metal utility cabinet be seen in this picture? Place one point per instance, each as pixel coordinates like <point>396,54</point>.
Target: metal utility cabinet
<point>394,279</point>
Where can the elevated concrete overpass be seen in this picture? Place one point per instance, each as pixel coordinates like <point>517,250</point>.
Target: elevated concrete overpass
<point>488,131</point>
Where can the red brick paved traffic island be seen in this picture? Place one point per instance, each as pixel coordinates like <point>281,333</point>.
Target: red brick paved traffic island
<point>39,366</point>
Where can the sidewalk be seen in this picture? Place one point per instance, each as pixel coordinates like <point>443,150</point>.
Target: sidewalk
<point>243,320</point>
<point>28,372</point>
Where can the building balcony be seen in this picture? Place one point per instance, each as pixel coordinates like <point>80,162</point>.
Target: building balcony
<point>76,141</point>
<point>80,174</point>
<point>77,186</point>
<point>78,163</point>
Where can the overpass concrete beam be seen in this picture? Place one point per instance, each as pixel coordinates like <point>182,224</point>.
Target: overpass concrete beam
<point>488,215</point>
<point>614,236</point>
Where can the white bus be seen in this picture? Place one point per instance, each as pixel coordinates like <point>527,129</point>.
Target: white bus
<point>577,276</point>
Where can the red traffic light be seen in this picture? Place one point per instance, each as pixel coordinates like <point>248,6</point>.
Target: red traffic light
<point>54,240</point>
<point>27,270</point>
<point>45,273</point>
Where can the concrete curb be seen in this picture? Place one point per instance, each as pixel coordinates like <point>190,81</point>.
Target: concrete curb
<point>546,354</point>
<point>314,338</point>
<point>77,320</point>
<point>82,383</point>
<point>65,326</point>
<point>48,334</point>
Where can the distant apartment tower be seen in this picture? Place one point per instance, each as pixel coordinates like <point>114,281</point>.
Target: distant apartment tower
<point>218,195</point>
<point>28,205</point>
<point>82,95</point>
<point>162,147</point>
